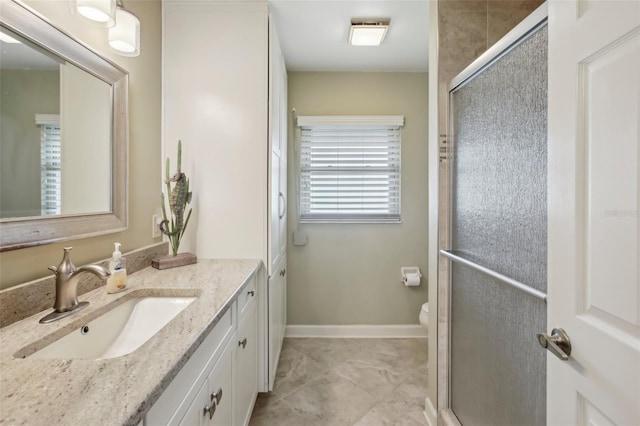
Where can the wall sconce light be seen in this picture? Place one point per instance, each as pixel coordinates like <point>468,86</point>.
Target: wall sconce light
<point>124,26</point>
<point>368,32</point>
<point>100,12</point>
<point>124,37</point>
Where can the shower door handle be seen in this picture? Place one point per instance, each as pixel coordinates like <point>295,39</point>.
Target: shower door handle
<point>558,343</point>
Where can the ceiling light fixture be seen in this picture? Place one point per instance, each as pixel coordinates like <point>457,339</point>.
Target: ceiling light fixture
<point>101,12</point>
<point>368,32</point>
<point>124,37</point>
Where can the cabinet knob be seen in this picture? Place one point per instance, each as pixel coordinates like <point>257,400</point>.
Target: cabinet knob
<point>283,272</point>
<point>243,343</point>
<point>251,293</point>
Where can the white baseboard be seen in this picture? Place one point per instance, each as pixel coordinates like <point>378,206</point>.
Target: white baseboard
<point>355,331</point>
<point>430,413</point>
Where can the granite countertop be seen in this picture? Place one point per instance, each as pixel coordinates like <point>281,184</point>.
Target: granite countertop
<point>117,390</point>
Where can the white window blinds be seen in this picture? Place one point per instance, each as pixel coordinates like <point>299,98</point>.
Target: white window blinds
<point>50,160</point>
<point>350,169</point>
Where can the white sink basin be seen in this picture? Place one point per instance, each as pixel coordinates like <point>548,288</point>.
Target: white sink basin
<point>118,332</point>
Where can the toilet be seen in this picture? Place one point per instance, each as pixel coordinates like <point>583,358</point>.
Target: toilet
<point>424,316</point>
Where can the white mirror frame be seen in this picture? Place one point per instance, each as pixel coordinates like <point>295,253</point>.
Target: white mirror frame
<point>16,233</point>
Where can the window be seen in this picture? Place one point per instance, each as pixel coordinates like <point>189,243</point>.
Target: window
<point>50,159</point>
<point>350,169</point>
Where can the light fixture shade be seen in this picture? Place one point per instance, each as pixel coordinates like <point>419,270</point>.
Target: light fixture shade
<point>368,33</point>
<point>100,12</point>
<point>124,37</point>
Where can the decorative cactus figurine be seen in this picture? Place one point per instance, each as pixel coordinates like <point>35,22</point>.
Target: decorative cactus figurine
<point>173,226</point>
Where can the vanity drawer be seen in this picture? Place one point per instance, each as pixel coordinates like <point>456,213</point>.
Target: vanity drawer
<point>247,295</point>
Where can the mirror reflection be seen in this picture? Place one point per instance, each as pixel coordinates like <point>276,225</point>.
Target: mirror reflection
<point>55,134</point>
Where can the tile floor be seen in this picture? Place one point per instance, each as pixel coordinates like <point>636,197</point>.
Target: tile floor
<point>347,382</point>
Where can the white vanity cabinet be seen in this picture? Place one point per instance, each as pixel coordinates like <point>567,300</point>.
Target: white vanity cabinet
<point>277,280</point>
<point>218,386</point>
<point>225,97</point>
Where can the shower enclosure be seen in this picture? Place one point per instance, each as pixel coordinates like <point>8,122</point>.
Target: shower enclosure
<point>498,232</point>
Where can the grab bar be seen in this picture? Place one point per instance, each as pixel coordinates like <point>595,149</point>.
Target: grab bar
<point>513,283</point>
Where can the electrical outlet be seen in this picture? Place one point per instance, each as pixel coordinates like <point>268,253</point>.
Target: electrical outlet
<point>155,226</point>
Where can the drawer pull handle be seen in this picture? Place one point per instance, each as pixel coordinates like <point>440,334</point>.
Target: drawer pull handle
<point>283,272</point>
<point>217,396</point>
<point>213,404</point>
<point>243,343</point>
<point>251,293</point>
<point>211,409</point>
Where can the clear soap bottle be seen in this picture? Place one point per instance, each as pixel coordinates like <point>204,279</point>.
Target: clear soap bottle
<point>118,268</point>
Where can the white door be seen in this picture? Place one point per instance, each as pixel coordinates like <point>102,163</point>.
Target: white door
<point>594,216</point>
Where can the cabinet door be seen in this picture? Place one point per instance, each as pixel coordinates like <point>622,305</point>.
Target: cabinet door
<point>246,366</point>
<point>220,382</point>
<point>196,414</point>
<point>277,315</point>
<point>213,404</point>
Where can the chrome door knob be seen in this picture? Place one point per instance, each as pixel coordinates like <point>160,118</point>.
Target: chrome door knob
<point>558,343</point>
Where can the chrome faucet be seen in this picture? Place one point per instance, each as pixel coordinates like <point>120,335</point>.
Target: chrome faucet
<point>67,280</point>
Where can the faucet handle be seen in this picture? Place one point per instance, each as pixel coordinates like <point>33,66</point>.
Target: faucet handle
<point>53,268</point>
<point>66,266</point>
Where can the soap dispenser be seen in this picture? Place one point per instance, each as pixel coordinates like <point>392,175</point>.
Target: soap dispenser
<point>117,267</point>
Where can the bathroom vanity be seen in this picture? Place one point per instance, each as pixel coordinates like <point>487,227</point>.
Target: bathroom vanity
<point>202,367</point>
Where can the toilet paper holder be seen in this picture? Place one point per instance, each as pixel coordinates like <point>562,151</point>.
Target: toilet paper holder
<point>409,272</point>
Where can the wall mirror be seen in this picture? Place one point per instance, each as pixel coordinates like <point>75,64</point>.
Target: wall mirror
<point>63,135</point>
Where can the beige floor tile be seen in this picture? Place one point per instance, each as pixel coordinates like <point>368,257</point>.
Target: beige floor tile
<point>415,386</point>
<point>424,368</point>
<point>278,413</point>
<point>412,392</point>
<point>336,382</point>
<point>401,354</point>
<point>331,400</point>
<point>389,413</point>
<point>376,377</point>
<point>294,370</point>
<point>330,352</point>
<point>264,400</point>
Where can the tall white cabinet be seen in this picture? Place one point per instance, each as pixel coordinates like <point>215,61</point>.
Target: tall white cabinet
<point>225,97</point>
<point>277,288</point>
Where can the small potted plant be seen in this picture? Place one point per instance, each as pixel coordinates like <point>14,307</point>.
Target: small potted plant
<point>175,224</point>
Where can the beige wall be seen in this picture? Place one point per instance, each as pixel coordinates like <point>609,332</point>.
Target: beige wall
<point>350,273</point>
<point>144,142</point>
<point>23,94</point>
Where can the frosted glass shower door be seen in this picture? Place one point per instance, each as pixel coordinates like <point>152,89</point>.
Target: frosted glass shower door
<point>497,370</point>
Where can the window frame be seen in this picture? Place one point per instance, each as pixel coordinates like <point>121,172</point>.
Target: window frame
<point>368,124</point>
